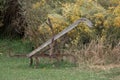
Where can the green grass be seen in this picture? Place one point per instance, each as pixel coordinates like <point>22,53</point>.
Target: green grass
<point>18,68</point>
<point>14,46</point>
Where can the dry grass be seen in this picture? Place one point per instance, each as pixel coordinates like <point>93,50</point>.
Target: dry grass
<point>105,67</point>
<point>96,53</point>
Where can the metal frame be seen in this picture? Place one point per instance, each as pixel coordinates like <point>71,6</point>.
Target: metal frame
<point>66,30</point>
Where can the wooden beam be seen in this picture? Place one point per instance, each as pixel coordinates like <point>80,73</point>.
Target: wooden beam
<point>69,28</point>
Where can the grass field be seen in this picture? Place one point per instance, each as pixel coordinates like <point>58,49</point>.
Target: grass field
<point>18,68</point>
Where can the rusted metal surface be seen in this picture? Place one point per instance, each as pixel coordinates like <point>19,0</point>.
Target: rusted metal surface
<point>69,28</point>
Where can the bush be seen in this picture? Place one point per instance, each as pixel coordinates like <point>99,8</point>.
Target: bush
<point>99,42</point>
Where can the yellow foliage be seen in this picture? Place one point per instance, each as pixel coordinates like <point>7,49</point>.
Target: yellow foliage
<point>56,18</point>
<point>117,11</point>
<point>70,12</point>
<point>99,15</point>
<point>106,23</point>
<point>117,21</point>
<point>115,1</point>
<point>38,4</point>
<point>58,23</point>
<point>90,0</point>
<point>79,2</point>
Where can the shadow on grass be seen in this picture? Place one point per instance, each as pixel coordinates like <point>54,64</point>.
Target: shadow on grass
<point>55,65</point>
<point>23,63</point>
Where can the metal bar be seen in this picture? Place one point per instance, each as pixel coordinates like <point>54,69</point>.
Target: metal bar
<point>69,28</point>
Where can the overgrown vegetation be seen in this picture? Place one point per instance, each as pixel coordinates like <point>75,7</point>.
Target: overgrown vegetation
<point>12,19</point>
<point>99,45</point>
<point>62,14</point>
